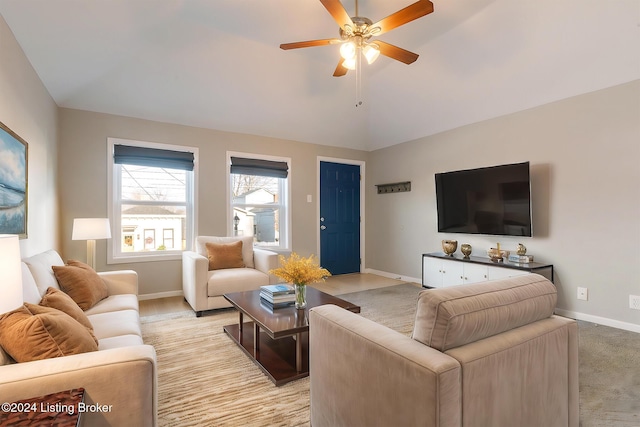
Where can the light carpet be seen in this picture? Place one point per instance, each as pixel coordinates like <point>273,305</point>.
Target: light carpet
<point>609,376</point>
<point>205,379</point>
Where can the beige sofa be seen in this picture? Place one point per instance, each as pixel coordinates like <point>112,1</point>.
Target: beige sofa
<point>122,373</point>
<point>490,354</point>
<point>204,289</point>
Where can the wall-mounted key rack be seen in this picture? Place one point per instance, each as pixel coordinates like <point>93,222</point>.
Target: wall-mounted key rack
<point>396,187</point>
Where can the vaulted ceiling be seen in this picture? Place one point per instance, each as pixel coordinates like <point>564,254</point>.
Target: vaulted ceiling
<point>217,63</point>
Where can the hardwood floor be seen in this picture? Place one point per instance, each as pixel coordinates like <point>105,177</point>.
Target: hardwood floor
<point>334,285</point>
<point>163,306</point>
<point>355,282</point>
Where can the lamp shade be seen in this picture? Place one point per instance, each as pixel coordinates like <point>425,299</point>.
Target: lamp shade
<point>10,273</point>
<point>371,52</point>
<point>349,64</point>
<point>91,229</point>
<point>348,50</point>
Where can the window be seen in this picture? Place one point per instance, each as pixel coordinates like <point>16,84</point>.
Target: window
<point>259,199</point>
<point>152,200</point>
<point>167,239</point>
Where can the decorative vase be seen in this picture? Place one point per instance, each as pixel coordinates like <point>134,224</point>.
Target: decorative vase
<point>522,249</point>
<point>466,250</point>
<point>449,246</point>
<point>301,296</point>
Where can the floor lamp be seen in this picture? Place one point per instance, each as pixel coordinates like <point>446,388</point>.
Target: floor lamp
<point>10,273</point>
<point>91,229</point>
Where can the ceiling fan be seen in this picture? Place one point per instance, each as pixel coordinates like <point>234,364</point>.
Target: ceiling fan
<point>356,33</point>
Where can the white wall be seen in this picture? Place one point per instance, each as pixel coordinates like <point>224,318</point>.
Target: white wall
<point>585,166</point>
<point>27,109</point>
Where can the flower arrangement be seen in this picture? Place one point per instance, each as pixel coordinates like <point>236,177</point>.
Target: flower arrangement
<point>300,271</point>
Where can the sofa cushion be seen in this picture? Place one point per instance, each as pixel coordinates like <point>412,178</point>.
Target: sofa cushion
<point>40,267</point>
<point>451,317</point>
<point>247,246</point>
<point>235,280</point>
<point>115,303</point>
<point>33,332</point>
<point>117,323</point>
<point>30,291</point>
<point>81,282</point>
<point>128,340</point>
<point>224,255</point>
<point>57,299</point>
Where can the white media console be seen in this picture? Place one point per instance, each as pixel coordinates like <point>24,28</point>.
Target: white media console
<point>440,270</point>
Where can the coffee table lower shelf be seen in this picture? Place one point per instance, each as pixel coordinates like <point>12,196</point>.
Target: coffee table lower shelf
<point>276,357</point>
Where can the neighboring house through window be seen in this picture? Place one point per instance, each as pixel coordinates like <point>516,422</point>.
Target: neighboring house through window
<point>152,196</point>
<point>259,199</point>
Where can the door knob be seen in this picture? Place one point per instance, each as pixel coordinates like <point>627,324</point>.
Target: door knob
<point>322,227</point>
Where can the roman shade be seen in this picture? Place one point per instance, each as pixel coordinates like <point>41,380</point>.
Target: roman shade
<point>143,156</point>
<point>259,167</point>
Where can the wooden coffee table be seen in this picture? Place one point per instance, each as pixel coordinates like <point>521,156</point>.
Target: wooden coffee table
<point>277,340</point>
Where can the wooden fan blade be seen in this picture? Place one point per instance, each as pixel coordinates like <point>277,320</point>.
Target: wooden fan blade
<point>341,70</point>
<point>401,17</point>
<point>340,15</point>
<point>396,52</point>
<point>309,43</point>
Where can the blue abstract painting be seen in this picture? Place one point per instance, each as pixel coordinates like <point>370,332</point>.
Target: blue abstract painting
<point>13,183</point>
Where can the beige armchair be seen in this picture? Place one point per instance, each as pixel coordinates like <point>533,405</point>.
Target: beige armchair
<point>489,354</point>
<point>204,289</point>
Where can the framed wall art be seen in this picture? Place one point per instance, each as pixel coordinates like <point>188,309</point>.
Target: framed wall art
<point>13,183</point>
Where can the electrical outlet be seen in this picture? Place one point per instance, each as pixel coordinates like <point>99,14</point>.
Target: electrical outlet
<point>583,294</point>
<point>634,302</point>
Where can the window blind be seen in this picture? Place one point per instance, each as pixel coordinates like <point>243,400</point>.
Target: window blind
<point>143,156</point>
<point>259,167</point>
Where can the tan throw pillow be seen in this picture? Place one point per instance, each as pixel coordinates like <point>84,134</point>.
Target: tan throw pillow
<point>57,299</point>
<point>34,332</point>
<point>81,283</point>
<point>225,255</point>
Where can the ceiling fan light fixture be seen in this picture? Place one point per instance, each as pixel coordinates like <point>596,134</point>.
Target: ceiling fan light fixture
<point>371,52</point>
<point>349,64</point>
<point>348,50</point>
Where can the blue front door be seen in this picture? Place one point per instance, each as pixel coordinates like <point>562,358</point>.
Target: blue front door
<point>340,217</point>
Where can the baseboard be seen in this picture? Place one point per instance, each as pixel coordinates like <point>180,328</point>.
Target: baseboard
<point>599,320</point>
<point>159,295</point>
<point>392,275</point>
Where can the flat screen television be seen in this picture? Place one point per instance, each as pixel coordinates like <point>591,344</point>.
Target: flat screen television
<point>493,200</point>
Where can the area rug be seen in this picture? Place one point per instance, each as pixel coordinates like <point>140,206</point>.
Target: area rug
<point>205,379</point>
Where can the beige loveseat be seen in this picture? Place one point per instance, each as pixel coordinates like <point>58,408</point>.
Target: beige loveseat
<point>490,354</point>
<point>121,374</point>
<point>204,288</point>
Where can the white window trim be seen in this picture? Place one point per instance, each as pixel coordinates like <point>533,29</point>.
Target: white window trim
<point>286,247</point>
<point>114,210</point>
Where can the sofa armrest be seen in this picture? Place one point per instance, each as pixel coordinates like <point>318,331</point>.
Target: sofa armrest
<point>365,374</point>
<point>120,282</point>
<point>194,279</point>
<point>124,379</point>
<point>265,260</point>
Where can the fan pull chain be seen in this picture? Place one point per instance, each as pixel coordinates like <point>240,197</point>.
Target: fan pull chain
<point>358,78</point>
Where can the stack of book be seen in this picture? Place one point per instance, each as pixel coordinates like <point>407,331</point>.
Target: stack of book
<point>276,296</point>
<point>521,259</point>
